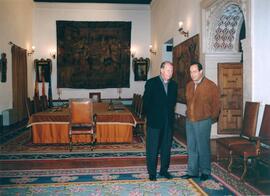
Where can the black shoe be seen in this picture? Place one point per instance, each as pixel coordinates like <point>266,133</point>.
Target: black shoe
<point>204,177</point>
<point>187,176</point>
<point>152,178</point>
<point>166,175</point>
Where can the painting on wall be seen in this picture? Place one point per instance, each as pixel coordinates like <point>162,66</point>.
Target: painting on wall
<point>183,55</point>
<point>3,67</point>
<point>140,68</point>
<point>43,69</point>
<point>93,55</point>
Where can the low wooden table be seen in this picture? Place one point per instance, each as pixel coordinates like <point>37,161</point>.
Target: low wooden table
<point>112,126</point>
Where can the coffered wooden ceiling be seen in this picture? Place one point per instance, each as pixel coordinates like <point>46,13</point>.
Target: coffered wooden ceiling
<point>97,1</point>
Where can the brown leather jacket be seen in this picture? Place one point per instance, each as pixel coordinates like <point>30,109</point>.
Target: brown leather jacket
<point>204,102</point>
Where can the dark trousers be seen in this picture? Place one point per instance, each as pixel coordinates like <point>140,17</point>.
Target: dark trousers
<point>158,141</point>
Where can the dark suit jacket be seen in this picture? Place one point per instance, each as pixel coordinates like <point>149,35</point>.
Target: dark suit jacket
<point>159,106</point>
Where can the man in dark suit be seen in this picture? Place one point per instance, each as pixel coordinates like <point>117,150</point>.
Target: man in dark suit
<point>159,101</point>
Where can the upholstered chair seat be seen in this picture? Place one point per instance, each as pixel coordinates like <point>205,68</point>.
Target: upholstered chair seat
<point>230,141</point>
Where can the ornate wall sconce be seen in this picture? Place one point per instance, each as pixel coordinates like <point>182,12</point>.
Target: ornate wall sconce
<point>30,52</point>
<point>151,50</point>
<point>181,30</point>
<point>53,53</point>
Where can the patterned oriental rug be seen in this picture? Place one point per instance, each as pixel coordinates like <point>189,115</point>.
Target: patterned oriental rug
<point>118,181</point>
<point>21,148</point>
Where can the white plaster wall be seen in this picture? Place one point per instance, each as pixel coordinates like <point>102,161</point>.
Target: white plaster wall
<point>44,36</point>
<point>165,16</point>
<point>260,30</point>
<point>247,70</point>
<point>166,56</point>
<point>16,26</point>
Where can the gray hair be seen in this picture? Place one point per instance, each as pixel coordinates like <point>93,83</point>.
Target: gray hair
<point>164,63</point>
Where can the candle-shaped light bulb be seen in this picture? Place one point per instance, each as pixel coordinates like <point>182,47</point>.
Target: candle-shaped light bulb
<point>180,24</point>
<point>133,52</point>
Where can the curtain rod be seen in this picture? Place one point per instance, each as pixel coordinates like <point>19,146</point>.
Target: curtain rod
<point>12,44</point>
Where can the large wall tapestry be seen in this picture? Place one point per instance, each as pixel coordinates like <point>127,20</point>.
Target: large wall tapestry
<point>93,55</point>
<point>183,54</point>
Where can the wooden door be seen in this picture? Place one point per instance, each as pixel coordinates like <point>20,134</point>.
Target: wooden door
<point>230,82</point>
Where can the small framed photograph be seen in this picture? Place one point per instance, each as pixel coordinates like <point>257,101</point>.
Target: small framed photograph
<point>140,68</point>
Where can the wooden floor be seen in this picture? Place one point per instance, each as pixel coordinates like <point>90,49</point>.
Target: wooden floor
<point>111,162</point>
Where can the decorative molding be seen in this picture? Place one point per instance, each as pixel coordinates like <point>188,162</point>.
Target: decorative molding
<point>223,20</point>
<point>229,55</point>
<point>228,29</point>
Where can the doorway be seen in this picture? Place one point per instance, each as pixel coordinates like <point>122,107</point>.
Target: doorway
<point>167,50</point>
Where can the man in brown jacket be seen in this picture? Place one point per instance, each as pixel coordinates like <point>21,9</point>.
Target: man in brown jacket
<point>203,106</point>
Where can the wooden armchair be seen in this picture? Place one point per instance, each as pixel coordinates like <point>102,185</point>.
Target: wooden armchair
<point>135,102</point>
<point>29,107</point>
<point>139,117</point>
<point>96,96</point>
<point>37,104</point>
<point>259,150</point>
<point>44,102</point>
<point>248,131</point>
<point>138,105</point>
<point>82,120</point>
